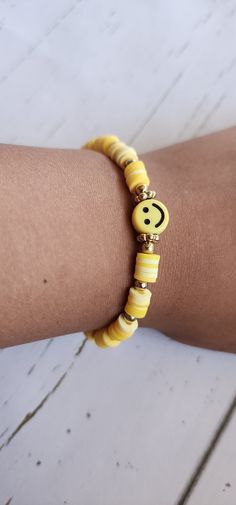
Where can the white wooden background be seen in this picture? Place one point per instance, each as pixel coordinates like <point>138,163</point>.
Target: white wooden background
<point>152,422</point>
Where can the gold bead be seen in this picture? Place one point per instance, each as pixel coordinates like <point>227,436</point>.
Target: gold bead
<point>151,194</point>
<point>140,284</point>
<point>141,197</point>
<point>142,193</point>
<point>148,247</point>
<point>127,162</point>
<point>153,237</point>
<point>147,237</point>
<point>128,318</point>
<point>142,237</point>
<point>141,188</point>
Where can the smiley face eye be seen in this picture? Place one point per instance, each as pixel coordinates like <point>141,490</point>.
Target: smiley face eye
<point>145,209</point>
<point>147,221</point>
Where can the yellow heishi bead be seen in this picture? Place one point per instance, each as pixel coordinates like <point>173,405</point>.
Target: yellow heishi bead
<point>89,335</point>
<point>121,329</point>
<point>128,155</point>
<point>138,302</point>
<point>98,144</point>
<point>146,267</point>
<point>136,174</point>
<point>150,216</point>
<point>114,148</point>
<point>102,339</point>
<point>121,152</point>
<point>89,144</point>
<point>108,140</point>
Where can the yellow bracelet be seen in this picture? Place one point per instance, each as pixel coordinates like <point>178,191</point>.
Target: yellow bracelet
<point>150,218</point>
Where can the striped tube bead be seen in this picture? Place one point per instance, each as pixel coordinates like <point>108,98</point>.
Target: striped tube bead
<point>138,302</point>
<point>121,328</point>
<point>102,338</point>
<point>146,267</point>
<point>135,175</point>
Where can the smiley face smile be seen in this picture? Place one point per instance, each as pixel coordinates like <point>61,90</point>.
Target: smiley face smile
<point>162,216</point>
<point>150,216</point>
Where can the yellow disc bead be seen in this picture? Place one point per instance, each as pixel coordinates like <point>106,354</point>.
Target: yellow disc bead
<point>136,174</point>
<point>98,144</point>
<point>89,335</point>
<point>146,267</point>
<point>121,329</point>
<point>98,337</point>
<point>119,154</point>
<point>102,339</point>
<point>127,156</point>
<point>114,148</point>
<point>150,216</point>
<point>89,144</point>
<point>138,302</point>
<point>108,140</point>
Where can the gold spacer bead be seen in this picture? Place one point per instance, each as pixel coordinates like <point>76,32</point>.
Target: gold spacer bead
<point>128,318</point>
<point>127,162</point>
<point>141,193</point>
<point>141,188</point>
<point>148,247</point>
<point>153,237</point>
<point>147,237</point>
<point>140,284</point>
<point>142,237</point>
<point>141,197</point>
<point>151,194</point>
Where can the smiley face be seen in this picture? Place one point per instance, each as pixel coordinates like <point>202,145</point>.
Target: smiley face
<point>150,216</point>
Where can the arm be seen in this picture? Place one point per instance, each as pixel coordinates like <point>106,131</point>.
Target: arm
<point>67,248</point>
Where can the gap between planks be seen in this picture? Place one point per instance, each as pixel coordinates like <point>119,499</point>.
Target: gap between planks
<point>30,415</point>
<point>191,484</point>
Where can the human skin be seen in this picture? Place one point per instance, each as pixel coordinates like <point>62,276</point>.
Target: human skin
<point>67,248</point>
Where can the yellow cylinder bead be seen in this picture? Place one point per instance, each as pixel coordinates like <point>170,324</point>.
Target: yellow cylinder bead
<point>138,302</point>
<point>121,329</point>
<point>146,267</point>
<point>103,340</point>
<point>108,140</point>
<point>136,174</point>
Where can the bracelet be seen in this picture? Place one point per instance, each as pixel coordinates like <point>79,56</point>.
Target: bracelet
<point>150,217</point>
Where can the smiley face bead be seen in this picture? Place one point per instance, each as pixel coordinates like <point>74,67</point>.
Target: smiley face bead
<point>150,216</point>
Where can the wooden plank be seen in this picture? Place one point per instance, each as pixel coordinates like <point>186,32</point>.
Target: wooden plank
<point>152,72</point>
<point>155,73</point>
<point>139,419</point>
<point>27,373</point>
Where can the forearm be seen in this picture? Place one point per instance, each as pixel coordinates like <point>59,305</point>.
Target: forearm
<point>195,298</point>
<point>67,247</point>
